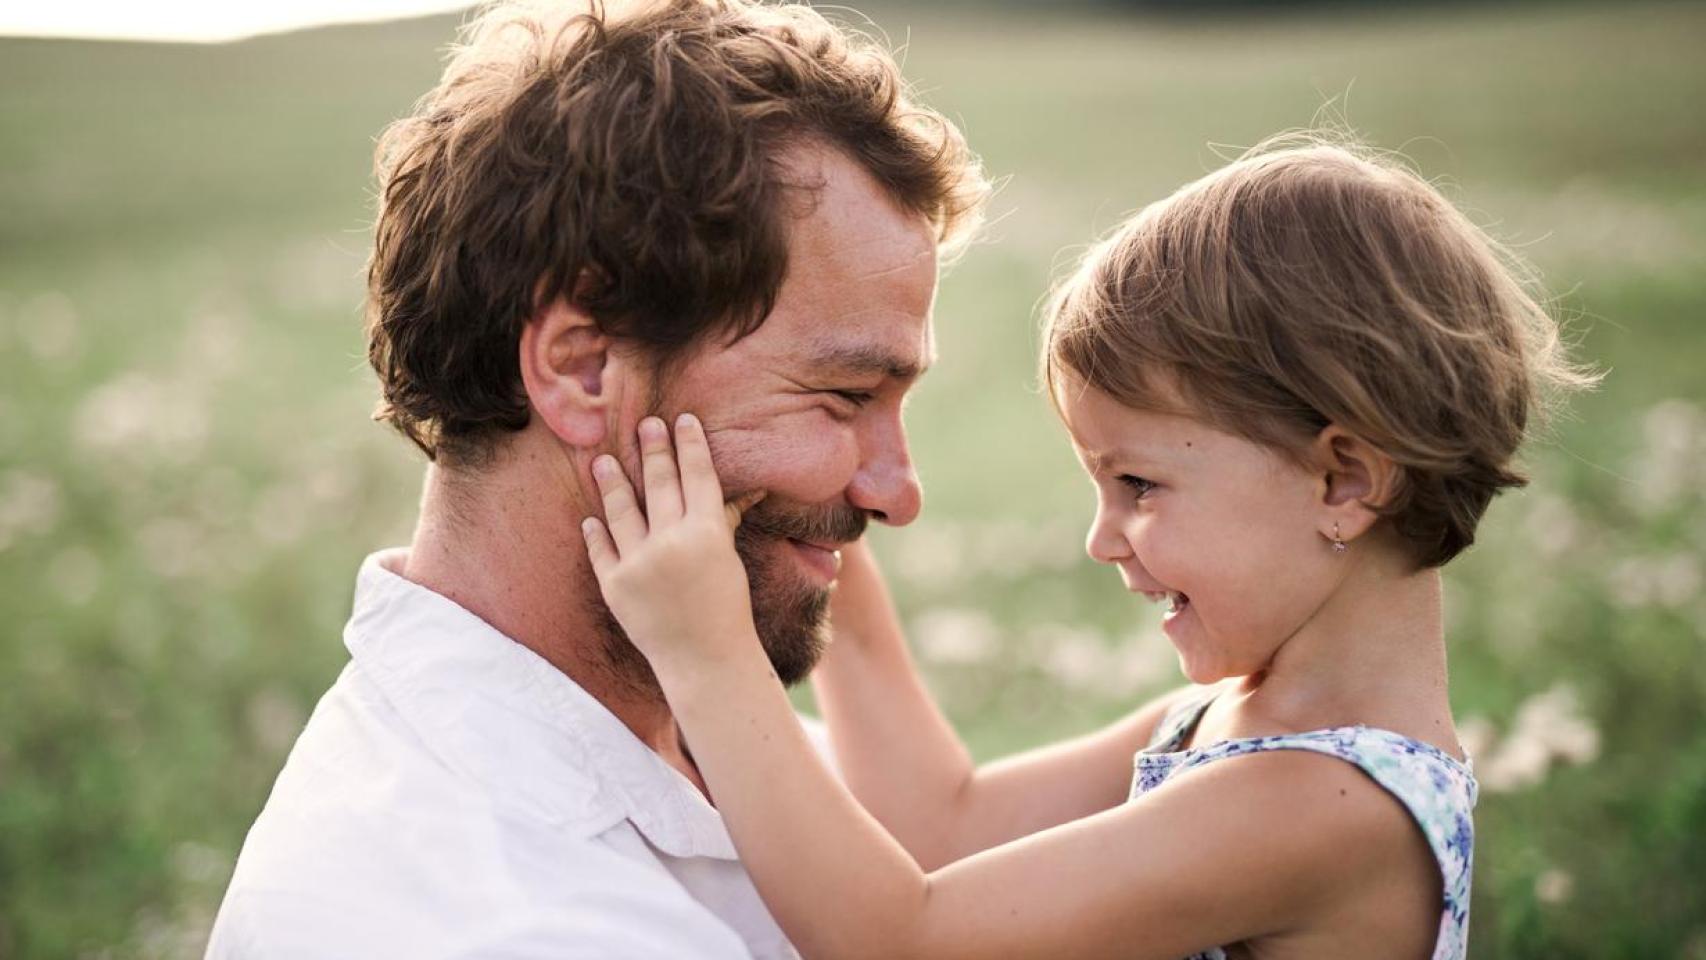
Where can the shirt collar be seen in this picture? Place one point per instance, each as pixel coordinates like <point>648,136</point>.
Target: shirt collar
<point>492,709</point>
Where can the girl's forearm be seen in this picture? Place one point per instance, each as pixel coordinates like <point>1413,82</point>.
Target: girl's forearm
<point>836,881</point>
<point>896,750</point>
<point>908,767</point>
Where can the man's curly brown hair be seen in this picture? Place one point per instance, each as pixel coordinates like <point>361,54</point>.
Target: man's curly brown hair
<point>629,159</point>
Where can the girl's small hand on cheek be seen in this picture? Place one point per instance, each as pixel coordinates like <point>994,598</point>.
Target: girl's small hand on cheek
<point>669,571</point>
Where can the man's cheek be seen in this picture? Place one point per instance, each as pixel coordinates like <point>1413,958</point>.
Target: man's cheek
<point>804,460</point>
<point>734,454</point>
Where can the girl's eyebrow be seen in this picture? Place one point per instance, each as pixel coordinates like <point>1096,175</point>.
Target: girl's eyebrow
<point>1096,461</point>
<point>1103,462</point>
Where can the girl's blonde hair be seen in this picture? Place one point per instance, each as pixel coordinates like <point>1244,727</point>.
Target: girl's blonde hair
<point>1314,281</point>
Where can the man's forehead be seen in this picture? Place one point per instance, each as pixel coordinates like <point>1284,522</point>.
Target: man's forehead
<point>847,228</point>
<point>861,279</point>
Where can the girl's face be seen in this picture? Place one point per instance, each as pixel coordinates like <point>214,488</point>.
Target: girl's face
<point>1222,531</point>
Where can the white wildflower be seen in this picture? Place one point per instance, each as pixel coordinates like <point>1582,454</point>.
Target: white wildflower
<point>1673,456</point>
<point>1676,579</point>
<point>1552,526</point>
<point>1554,886</point>
<point>1001,548</point>
<point>1628,584</point>
<point>331,483</point>
<point>1548,726</point>
<point>929,555</point>
<point>171,546</point>
<point>159,936</point>
<point>1140,662</point>
<point>1671,581</point>
<point>1607,225</point>
<point>29,505</point>
<point>1074,656</point>
<point>1058,545</point>
<point>1475,733</point>
<point>315,273</point>
<point>281,514</point>
<point>213,344</point>
<point>143,416</point>
<point>275,718</point>
<point>198,862</point>
<point>955,636</point>
<point>1519,762</point>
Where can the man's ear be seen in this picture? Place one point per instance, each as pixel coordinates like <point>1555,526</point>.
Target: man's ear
<point>564,362</point>
<point>1357,479</point>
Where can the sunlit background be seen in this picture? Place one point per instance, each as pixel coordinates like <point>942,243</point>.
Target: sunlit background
<point>199,21</point>
<point>188,477</point>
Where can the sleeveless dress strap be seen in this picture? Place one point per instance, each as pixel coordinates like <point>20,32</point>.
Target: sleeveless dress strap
<point>1438,790</point>
<point>1180,721</point>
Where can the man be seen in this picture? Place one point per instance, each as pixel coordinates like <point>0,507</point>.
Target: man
<point>704,205</point>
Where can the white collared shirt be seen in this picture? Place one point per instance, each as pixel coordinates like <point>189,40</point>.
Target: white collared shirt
<point>454,795</point>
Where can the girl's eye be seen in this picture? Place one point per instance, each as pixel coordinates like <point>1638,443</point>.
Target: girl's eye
<point>1138,485</point>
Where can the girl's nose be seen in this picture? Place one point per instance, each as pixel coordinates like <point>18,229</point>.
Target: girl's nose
<point>1105,543</point>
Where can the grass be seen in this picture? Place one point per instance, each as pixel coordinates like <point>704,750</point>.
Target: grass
<point>188,479</point>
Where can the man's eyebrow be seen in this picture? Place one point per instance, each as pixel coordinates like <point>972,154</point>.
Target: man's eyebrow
<point>866,359</point>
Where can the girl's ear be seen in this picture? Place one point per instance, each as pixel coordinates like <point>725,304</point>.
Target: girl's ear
<point>1357,479</point>
<point>565,370</point>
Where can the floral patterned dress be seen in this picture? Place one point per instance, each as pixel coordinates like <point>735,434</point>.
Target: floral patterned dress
<point>1437,789</point>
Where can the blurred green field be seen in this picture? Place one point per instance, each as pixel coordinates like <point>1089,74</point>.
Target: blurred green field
<point>188,478</point>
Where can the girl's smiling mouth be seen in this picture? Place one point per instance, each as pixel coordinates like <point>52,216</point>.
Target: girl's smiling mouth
<point>1178,600</point>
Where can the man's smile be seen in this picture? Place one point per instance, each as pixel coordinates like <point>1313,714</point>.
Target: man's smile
<point>824,560</point>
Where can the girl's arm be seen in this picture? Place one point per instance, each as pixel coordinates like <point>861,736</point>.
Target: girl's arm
<point>1257,846</point>
<point>1260,845</point>
<point>908,767</point>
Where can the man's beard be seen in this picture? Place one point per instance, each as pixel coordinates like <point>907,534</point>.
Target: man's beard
<point>791,616</point>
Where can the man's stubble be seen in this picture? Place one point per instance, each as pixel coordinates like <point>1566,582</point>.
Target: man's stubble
<point>791,616</point>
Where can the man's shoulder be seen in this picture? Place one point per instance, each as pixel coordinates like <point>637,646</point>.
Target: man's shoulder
<point>366,794</point>
<point>372,750</point>
<point>376,842</point>
<point>428,894</point>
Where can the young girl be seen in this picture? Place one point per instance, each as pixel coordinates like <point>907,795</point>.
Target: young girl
<point>1295,385</point>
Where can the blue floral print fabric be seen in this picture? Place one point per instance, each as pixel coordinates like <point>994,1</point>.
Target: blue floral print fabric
<point>1437,789</point>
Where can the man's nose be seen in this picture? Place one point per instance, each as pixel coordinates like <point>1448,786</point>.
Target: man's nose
<point>886,485</point>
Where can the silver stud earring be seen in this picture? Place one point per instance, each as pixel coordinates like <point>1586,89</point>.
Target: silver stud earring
<point>1338,544</point>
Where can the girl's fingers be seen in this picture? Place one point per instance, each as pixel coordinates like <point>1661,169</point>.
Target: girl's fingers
<point>621,513</point>
<point>701,491</point>
<point>599,547</point>
<point>657,469</point>
<point>737,508</point>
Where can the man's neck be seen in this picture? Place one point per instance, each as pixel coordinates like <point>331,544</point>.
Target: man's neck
<point>513,556</point>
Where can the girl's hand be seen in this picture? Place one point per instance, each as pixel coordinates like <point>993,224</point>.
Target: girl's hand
<point>670,572</point>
